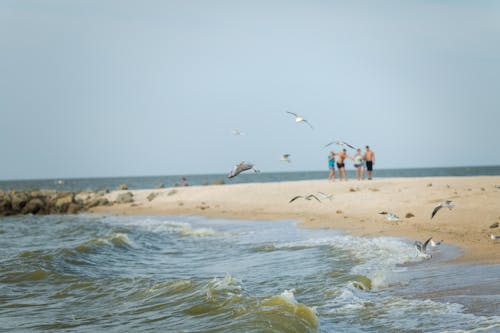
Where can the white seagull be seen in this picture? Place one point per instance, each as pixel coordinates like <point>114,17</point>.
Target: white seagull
<point>494,237</point>
<point>325,195</point>
<point>390,216</point>
<point>448,203</point>
<point>237,132</point>
<point>422,248</point>
<point>299,119</point>
<point>306,197</point>
<point>434,244</point>
<point>239,168</point>
<point>285,158</point>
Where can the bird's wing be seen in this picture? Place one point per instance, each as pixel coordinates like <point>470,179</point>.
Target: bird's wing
<point>295,198</point>
<point>233,172</point>
<point>424,247</point>
<point>328,144</point>
<point>436,210</point>
<point>383,213</point>
<point>294,114</point>
<point>418,245</point>
<point>286,155</point>
<point>350,146</point>
<point>313,196</point>
<point>308,123</point>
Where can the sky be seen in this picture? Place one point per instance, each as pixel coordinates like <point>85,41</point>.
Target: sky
<point>93,88</point>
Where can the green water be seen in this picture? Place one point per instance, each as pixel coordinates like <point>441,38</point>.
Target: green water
<point>190,274</point>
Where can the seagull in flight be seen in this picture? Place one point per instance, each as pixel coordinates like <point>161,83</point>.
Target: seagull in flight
<point>494,237</point>
<point>299,119</point>
<point>306,197</point>
<point>239,168</point>
<point>448,204</point>
<point>325,195</point>
<point>390,216</point>
<point>238,132</point>
<point>285,158</point>
<point>422,248</point>
<point>434,244</point>
<point>340,143</point>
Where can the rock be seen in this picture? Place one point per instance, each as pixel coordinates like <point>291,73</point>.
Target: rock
<point>172,192</point>
<point>158,186</point>
<point>125,198</point>
<point>18,200</point>
<point>97,202</point>
<point>5,205</point>
<point>409,215</point>
<point>34,206</point>
<point>73,208</point>
<point>62,203</point>
<point>339,212</point>
<point>151,196</point>
<point>429,185</point>
<point>352,190</point>
<point>122,187</point>
<point>494,225</point>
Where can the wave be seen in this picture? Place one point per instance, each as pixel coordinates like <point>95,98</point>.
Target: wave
<point>118,240</point>
<point>378,259</point>
<point>171,227</point>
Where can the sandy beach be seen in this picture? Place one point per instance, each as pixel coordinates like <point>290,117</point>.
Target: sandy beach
<point>354,207</point>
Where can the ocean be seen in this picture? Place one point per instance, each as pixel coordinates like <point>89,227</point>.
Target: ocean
<point>79,184</point>
<point>90,273</point>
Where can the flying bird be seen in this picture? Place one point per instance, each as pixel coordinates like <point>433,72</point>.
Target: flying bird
<point>422,248</point>
<point>285,158</point>
<point>448,204</point>
<point>390,216</point>
<point>325,195</point>
<point>237,132</point>
<point>306,197</point>
<point>494,237</point>
<point>299,119</point>
<point>344,144</point>
<point>239,168</point>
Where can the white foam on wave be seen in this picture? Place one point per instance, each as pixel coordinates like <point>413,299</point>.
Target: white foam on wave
<point>170,227</point>
<point>378,257</point>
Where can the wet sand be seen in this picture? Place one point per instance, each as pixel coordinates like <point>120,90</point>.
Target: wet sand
<point>354,207</point>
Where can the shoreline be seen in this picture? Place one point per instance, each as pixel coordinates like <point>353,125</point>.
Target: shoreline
<point>354,208</point>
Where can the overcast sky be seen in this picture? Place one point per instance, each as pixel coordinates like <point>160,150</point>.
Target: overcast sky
<point>122,88</point>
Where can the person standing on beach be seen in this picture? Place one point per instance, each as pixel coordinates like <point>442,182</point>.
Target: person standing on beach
<point>370,161</point>
<point>331,166</point>
<point>359,165</point>
<point>341,165</point>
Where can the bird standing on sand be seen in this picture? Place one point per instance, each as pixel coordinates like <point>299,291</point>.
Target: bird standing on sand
<point>448,203</point>
<point>239,168</point>
<point>285,158</point>
<point>299,119</point>
<point>306,197</point>
<point>390,216</point>
<point>422,248</point>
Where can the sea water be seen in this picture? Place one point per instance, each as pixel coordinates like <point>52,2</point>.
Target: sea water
<point>90,273</point>
<point>79,184</point>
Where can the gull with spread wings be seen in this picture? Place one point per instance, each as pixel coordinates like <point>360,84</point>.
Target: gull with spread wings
<point>299,119</point>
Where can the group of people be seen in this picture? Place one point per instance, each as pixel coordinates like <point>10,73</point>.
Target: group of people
<point>359,159</point>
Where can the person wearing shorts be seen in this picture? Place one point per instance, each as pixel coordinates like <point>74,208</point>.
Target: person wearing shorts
<point>331,166</point>
<point>341,165</point>
<point>359,165</point>
<point>370,161</point>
